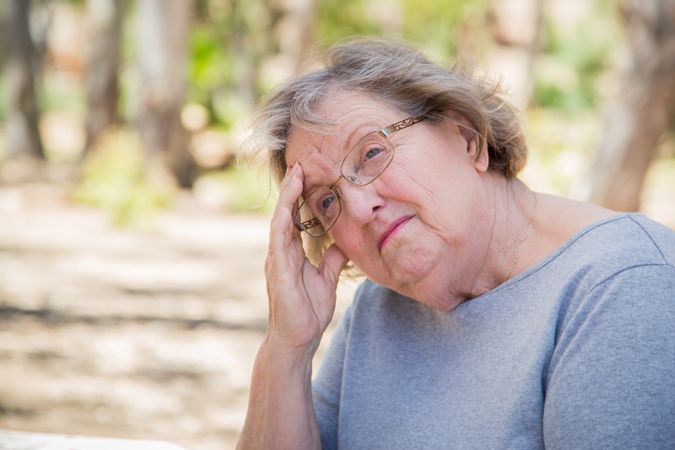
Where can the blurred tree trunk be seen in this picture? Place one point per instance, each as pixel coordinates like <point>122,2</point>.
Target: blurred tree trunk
<point>515,26</point>
<point>163,30</point>
<point>640,115</point>
<point>284,45</point>
<point>267,48</point>
<point>242,51</point>
<point>23,136</point>
<point>103,62</point>
<point>40,20</point>
<point>295,31</point>
<point>4,39</point>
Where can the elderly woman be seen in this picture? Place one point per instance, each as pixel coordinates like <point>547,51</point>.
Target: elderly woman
<point>491,317</point>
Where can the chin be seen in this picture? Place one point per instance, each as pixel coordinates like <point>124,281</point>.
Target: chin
<point>413,266</point>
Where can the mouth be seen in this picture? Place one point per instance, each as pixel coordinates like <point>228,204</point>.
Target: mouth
<point>393,229</point>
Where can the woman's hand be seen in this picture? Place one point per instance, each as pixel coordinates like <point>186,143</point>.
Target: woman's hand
<point>301,296</point>
<point>301,302</point>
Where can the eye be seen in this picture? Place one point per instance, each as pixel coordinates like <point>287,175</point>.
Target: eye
<point>326,202</point>
<point>371,153</point>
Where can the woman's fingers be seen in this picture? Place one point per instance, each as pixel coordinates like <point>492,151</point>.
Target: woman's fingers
<point>301,298</point>
<point>281,227</point>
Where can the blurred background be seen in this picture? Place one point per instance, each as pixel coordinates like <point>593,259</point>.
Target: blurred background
<point>133,229</point>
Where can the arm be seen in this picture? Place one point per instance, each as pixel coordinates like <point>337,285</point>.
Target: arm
<point>301,304</point>
<point>611,383</point>
<point>280,411</point>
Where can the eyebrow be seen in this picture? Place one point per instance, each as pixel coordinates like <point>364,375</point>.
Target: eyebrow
<point>310,187</point>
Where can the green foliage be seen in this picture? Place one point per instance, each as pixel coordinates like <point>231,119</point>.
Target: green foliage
<point>338,19</point>
<point>436,25</point>
<point>114,178</point>
<point>570,66</point>
<point>210,69</point>
<point>3,97</point>
<point>439,24</point>
<point>212,73</point>
<point>61,94</point>
<point>234,44</point>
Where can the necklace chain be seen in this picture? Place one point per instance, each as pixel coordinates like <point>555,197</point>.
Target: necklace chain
<point>523,237</point>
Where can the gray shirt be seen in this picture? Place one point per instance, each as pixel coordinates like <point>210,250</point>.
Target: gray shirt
<point>576,353</point>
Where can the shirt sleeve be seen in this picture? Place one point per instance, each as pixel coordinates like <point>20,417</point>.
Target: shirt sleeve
<point>611,381</point>
<point>327,384</point>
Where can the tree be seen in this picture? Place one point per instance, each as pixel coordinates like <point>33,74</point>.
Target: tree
<point>515,26</point>
<point>103,62</point>
<point>281,49</point>
<point>23,136</point>
<point>163,30</point>
<point>640,115</point>
<point>295,31</point>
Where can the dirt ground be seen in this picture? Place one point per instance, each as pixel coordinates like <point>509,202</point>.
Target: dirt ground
<point>123,333</point>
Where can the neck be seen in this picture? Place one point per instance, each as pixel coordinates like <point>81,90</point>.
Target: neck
<point>513,212</point>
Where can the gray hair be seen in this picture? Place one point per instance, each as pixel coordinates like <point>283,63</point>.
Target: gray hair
<point>403,77</point>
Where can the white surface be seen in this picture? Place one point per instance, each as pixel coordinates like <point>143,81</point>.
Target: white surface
<point>15,440</point>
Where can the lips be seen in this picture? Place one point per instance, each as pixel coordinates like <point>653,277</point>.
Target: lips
<point>392,230</point>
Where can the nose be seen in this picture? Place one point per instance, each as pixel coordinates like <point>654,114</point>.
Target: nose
<point>360,203</point>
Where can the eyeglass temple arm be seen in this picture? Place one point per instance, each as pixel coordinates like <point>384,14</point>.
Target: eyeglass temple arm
<point>311,223</point>
<point>405,123</point>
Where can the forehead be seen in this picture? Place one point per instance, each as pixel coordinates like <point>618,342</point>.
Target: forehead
<point>353,114</point>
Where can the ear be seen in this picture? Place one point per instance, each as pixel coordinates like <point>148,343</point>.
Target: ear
<point>476,150</point>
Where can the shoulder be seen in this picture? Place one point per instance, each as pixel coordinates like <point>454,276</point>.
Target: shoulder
<point>563,222</point>
<point>661,238</point>
<point>619,263</point>
<point>614,354</point>
<point>614,245</point>
<point>642,293</point>
<point>628,241</point>
<point>626,298</point>
<point>640,255</point>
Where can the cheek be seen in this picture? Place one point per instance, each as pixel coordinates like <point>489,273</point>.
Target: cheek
<point>349,240</point>
<point>440,198</point>
<point>422,192</point>
<point>404,182</point>
<point>360,250</point>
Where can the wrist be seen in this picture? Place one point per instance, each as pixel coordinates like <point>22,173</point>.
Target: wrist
<point>279,345</point>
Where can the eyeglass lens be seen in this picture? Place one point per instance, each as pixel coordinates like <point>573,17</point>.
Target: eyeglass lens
<point>362,165</point>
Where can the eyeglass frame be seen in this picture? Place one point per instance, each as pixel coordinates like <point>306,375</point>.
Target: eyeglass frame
<point>385,132</point>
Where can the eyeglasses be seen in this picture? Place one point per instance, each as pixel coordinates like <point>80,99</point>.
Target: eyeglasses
<point>366,161</point>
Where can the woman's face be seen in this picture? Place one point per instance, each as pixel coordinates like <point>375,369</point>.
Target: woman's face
<point>414,229</point>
